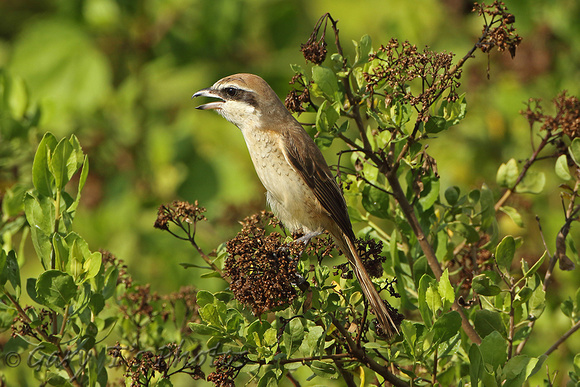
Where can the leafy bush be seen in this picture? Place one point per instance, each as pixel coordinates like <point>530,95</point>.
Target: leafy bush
<point>468,303</point>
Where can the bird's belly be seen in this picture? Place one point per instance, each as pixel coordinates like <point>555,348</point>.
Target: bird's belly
<point>291,200</point>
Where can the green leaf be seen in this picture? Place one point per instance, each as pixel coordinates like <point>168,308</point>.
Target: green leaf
<point>466,230</point>
<point>375,201</point>
<point>312,341</point>
<point>535,266</point>
<point>513,214</point>
<point>435,124</point>
<point>82,181</point>
<point>445,289</point>
<point>574,150</point>
<point>487,207</point>
<point>433,299</point>
<point>562,170</point>
<point>446,326</point>
<point>507,174</point>
<point>293,336</point>
<point>164,382</point>
<point>55,289</point>
<point>10,271</point>
<point>62,164</point>
<point>97,303</point>
<point>203,298</point>
<point>475,364</point>
<point>482,284</point>
<point>488,321</point>
<point>31,289</point>
<point>453,111</point>
<point>204,330</point>
<point>537,303</point>
<point>13,201</point>
<point>452,195</point>
<point>3,276</point>
<point>519,368</point>
<point>268,380</point>
<point>430,192</point>
<point>424,285</point>
<point>41,177</point>
<point>504,253</point>
<point>533,182</point>
<point>494,349</point>
<point>40,214</point>
<point>326,81</point>
<point>323,369</point>
<point>409,331</point>
<point>363,49</point>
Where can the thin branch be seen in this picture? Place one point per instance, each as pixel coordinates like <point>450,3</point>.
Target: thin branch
<point>61,356</point>
<point>524,171</point>
<point>409,213</point>
<point>360,354</point>
<point>564,337</point>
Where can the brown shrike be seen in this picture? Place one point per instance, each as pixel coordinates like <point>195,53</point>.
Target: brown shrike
<point>301,190</point>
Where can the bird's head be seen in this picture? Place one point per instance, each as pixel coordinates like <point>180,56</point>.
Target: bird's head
<point>244,100</point>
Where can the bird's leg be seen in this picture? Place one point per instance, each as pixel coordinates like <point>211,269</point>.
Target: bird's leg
<point>306,238</point>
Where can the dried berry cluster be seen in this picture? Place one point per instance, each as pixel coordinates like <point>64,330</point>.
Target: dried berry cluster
<point>297,99</point>
<point>180,213</point>
<point>24,327</point>
<point>321,247</point>
<point>262,269</point>
<point>110,260</point>
<point>499,31</point>
<point>401,65</point>
<point>566,120</point>
<point>369,252</point>
<point>141,368</point>
<point>139,302</point>
<point>226,372</point>
<point>314,50</point>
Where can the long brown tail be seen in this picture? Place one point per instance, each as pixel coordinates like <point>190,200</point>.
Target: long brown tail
<point>368,288</point>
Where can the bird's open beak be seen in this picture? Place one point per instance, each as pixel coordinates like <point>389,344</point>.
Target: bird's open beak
<point>212,94</point>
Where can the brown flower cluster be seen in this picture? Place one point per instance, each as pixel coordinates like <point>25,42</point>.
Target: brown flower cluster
<point>321,247</point>
<point>566,120</point>
<point>137,302</point>
<point>499,31</point>
<point>262,269</point>
<point>401,65</point>
<point>314,50</point>
<point>40,321</point>
<point>180,213</point>
<point>141,368</point>
<point>110,260</point>
<point>369,252</point>
<point>225,372</point>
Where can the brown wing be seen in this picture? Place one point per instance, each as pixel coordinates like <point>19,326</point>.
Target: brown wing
<point>307,160</point>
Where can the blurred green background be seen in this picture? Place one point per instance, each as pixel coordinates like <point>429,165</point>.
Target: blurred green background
<point>120,73</point>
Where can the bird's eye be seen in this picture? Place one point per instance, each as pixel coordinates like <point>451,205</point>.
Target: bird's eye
<point>231,91</point>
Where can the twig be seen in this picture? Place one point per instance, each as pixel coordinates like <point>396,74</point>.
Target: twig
<point>525,169</point>
<point>360,354</point>
<point>564,337</point>
<point>61,356</point>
